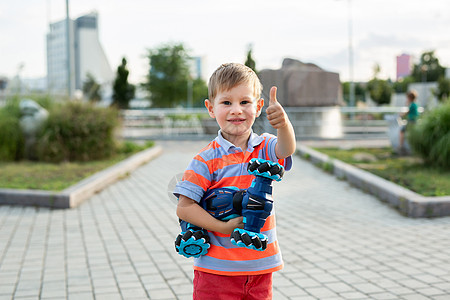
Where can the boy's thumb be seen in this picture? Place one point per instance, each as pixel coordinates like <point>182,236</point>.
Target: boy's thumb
<point>273,95</point>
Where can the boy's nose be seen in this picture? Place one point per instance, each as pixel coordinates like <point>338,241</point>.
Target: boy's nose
<point>236,108</point>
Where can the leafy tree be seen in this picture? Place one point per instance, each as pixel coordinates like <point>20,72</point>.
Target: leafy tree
<point>360,92</point>
<point>380,90</point>
<point>200,92</point>
<point>401,86</point>
<point>91,89</point>
<point>443,91</point>
<point>168,75</point>
<point>250,62</point>
<point>123,91</point>
<point>428,69</point>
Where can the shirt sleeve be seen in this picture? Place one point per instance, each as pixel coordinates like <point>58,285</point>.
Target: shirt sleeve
<point>271,142</point>
<point>196,180</point>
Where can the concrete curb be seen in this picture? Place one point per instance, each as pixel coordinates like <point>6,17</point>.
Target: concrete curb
<point>406,201</point>
<point>76,194</point>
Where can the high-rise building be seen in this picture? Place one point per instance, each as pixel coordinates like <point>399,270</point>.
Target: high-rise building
<point>197,67</point>
<point>86,55</point>
<point>404,65</point>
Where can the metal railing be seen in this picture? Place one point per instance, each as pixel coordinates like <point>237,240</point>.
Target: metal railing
<point>309,122</point>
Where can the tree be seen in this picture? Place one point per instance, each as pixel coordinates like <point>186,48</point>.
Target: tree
<point>200,92</point>
<point>380,90</point>
<point>250,62</point>
<point>401,86</point>
<point>428,69</point>
<point>168,76</point>
<point>123,91</point>
<point>360,92</point>
<point>91,89</point>
<point>443,91</point>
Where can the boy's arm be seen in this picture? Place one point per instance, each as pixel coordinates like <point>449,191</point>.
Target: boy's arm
<point>402,115</point>
<point>189,211</point>
<point>279,120</point>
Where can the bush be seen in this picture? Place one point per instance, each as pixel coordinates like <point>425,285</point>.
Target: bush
<point>11,136</point>
<point>128,147</point>
<point>430,137</point>
<point>77,131</point>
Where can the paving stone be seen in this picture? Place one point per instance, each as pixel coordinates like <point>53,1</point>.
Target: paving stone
<point>320,292</point>
<point>46,293</point>
<point>368,288</point>
<point>415,297</point>
<point>383,296</point>
<point>80,296</point>
<point>339,287</point>
<point>306,282</point>
<point>353,295</point>
<point>291,291</point>
<point>430,291</point>
<point>443,297</point>
<point>161,294</point>
<point>182,289</point>
<point>112,296</point>
<point>26,293</point>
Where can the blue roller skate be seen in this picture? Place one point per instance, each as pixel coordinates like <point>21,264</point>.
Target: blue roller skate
<point>193,241</point>
<point>257,204</point>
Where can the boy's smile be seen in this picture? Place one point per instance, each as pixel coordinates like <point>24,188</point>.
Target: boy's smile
<point>235,111</point>
<point>236,121</point>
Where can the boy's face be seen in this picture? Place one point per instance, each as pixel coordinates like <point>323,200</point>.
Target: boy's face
<point>235,110</point>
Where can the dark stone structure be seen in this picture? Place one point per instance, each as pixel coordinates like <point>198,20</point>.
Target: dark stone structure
<point>302,85</point>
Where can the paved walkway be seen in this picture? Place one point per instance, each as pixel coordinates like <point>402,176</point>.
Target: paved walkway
<point>337,242</point>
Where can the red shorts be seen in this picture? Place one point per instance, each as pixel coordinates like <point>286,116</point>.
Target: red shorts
<point>217,287</point>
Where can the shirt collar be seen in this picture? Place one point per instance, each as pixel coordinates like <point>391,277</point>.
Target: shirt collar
<point>253,141</point>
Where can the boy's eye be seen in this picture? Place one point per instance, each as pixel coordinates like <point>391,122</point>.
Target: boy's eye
<point>245,102</point>
<point>226,102</point>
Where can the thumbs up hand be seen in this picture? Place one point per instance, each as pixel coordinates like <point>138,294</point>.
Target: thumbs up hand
<point>275,113</point>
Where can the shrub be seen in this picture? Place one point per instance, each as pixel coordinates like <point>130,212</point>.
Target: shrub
<point>430,137</point>
<point>45,101</point>
<point>11,136</point>
<point>77,131</point>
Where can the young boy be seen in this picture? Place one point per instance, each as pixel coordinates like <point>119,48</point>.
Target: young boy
<point>226,271</point>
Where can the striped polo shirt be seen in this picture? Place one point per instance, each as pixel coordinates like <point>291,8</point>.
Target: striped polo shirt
<point>222,165</point>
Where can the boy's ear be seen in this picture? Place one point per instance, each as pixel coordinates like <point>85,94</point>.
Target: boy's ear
<point>259,106</point>
<point>209,107</point>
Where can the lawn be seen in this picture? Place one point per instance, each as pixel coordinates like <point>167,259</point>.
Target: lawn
<point>55,177</point>
<point>407,171</point>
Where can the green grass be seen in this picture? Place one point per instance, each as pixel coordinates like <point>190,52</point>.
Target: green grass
<point>409,172</point>
<point>57,177</point>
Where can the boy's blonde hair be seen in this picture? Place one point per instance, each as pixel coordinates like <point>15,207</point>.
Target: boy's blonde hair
<point>229,75</point>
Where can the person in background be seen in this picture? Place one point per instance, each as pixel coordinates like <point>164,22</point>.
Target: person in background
<point>411,117</point>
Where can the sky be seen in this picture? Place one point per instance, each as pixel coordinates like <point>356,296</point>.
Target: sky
<point>312,31</point>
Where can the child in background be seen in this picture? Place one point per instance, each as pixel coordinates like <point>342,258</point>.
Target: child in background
<point>411,117</point>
